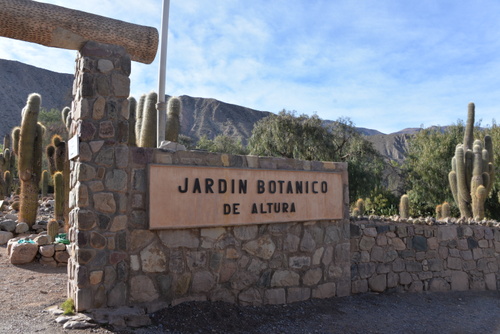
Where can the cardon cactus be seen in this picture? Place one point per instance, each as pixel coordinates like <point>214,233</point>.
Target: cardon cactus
<point>138,119</point>
<point>16,134</point>
<point>148,127</point>
<point>5,160</point>
<point>445,210</point>
<point>404,207</point>
<point>439,209</point>
<point>473,173</point>
<point>173,128</point>
<point>132,106</point>
<point>30,159</point>
<point>52,229</point>
<point>45,183</point>
<point>66,117</point>
<point>7,177</point>
<point>360,207</point>
<point>56,154</point>
<point>59,195</point>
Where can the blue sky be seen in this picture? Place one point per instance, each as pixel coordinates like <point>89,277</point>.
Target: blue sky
<point>387,65</point>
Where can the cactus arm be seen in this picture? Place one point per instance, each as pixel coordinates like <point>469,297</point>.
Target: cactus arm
<point>469,128</point>
<point>173,119</point>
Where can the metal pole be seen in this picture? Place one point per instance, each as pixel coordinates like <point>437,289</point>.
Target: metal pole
<point>161,107</point>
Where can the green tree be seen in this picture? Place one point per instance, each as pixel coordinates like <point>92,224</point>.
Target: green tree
<point>308,138</point>
<point>222,144</point>
<point>427,166</point>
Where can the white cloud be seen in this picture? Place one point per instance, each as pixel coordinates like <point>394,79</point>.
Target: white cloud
<point>386,65</point>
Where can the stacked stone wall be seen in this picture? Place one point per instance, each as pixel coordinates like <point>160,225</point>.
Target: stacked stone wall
<point>414,257</point>
<point>116,260</point>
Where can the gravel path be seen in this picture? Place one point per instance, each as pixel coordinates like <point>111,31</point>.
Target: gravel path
<point>27,290</point>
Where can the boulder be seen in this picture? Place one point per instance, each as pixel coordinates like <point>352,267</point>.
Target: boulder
<point>5,237</point>
<point>8,225</point>
<point>23,253</point>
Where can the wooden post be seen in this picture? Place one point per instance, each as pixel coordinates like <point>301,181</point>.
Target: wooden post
<point>65,28</point>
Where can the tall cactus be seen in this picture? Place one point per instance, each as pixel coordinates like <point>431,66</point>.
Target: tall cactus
<point>148,127</point>
<point>138,119</point>
<point>473,173</point>
<point>404,207</point>
<point>59,195</point>
<point>132,106</point>
<point>173,129</point>
<point>30,159</point>
<point>45,183</point>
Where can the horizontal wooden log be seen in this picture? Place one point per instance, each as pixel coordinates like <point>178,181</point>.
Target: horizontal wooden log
<point>65,28</point>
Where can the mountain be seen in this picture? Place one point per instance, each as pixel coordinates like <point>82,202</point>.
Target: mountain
<point>200,116</point>
<point>18,80</point>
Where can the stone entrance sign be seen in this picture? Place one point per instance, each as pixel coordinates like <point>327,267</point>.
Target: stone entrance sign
<point>187,196</point>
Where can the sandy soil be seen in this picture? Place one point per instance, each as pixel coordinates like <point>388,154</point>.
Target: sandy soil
<point>27,290</point>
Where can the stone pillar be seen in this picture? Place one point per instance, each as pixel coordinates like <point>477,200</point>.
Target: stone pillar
<point>97,267</point>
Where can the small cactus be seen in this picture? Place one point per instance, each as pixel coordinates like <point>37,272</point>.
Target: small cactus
<point>445,210</point>
<point>439,210</point>
<point>173,129</point>
<point>355,212</point>
<point>7,177</point>
<point>404,207</point>
<point>360,205</point>
<point>53,229</point>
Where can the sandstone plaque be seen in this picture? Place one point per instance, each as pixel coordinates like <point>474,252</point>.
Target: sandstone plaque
<point>187,196</point>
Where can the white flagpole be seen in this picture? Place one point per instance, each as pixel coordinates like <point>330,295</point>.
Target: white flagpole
<point>161,107</point>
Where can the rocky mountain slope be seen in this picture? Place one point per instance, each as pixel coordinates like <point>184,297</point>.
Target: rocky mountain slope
<point>200,116</point>
<point>18,80</point>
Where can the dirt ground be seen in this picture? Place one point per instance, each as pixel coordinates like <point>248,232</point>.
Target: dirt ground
<point>27,290</point>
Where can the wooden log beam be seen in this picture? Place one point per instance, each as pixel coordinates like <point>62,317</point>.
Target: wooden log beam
<point>65,28</point>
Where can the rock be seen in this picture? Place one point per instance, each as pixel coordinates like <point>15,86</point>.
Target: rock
<point>47,250</point>
<point>77,324</point>
<point>23,253</point>
<point>378,283</point>
<point>142,289</point>
<point>8,225</point>
<point>22,228</point>
<point>11,216</point>
<point>203,281</point>
<point>153,259</point>
<point>42,240</point>
<point>171,146</point>
<point>48,261</point>
<point>5,237</point>
<point>263,247</point>
<point>285,278</point>
<point>59,247</point>
<point>61,256</point>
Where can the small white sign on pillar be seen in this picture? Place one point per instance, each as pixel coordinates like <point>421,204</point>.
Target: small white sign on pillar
<point>73,147</point>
